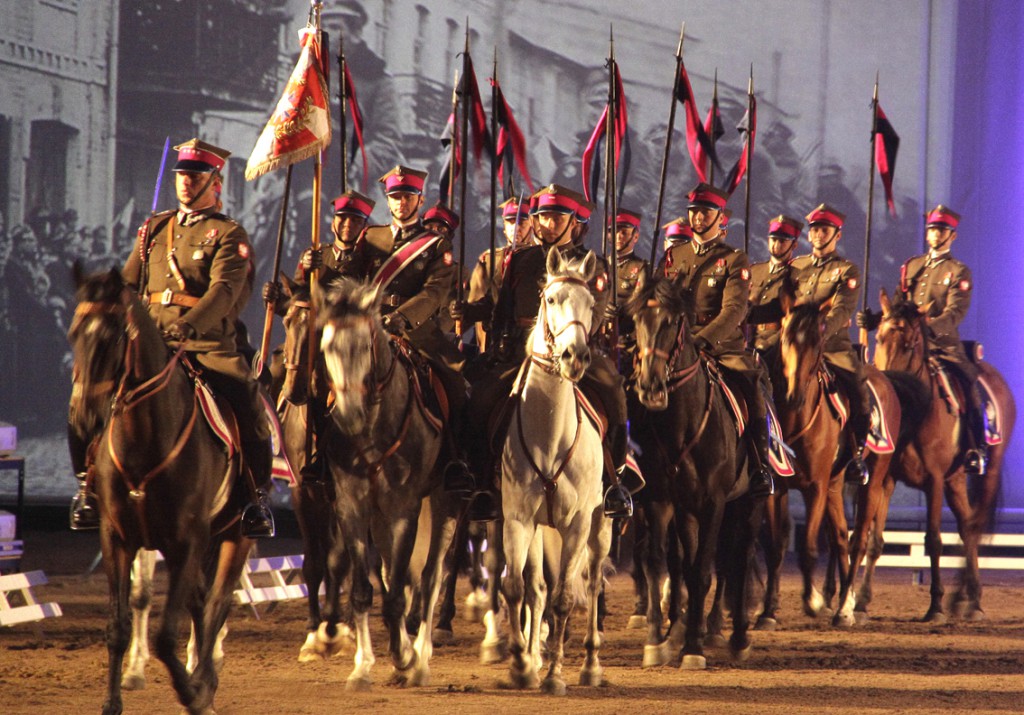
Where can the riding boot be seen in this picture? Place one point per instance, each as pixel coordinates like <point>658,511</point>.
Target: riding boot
<point>857,469</point>
<point>976,456</point>
<point>762,483</point>
<point>257,519</point>
<point>618,502</point>
<point>85,513</point>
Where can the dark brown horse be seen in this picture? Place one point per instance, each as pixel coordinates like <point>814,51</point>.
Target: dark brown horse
<point>932,458</point>
<point>162,478</point>
<point>817,437</point>
<point>695,465</point>
<point>383,456</point>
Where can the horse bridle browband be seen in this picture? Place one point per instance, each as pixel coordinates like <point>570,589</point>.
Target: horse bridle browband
<point>546,361</point>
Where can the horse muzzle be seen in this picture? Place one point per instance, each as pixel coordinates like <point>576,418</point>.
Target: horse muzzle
<point>573,362</point>
<point>653,394</point>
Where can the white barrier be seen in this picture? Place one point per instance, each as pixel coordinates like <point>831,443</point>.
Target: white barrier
<point>281,570</point>
<point>22,583</point>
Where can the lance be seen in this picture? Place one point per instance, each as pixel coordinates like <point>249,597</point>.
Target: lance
<point>749,150</point>
<point>343,98</point>
<point>610,208</point>
<point>494,163</point>
<point>714,127</point>
<point>668,148</point>
<point>160,176</point>
<point>464,127</point>
<point>314,275</point>
<point>863,333</point>
<point>452,147</point>
<point>268,322</point>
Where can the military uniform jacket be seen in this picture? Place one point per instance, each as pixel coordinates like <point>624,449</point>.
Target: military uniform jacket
<point>627,273</point>
<point>765,311</point>
<point>480,283</point>
<point>334,259</point>
<point>213,258</point>
<point>945,283</point>
<point>719,278</point>
<point>519,296</point>
<point>420,290</point>
<point>818,280</point>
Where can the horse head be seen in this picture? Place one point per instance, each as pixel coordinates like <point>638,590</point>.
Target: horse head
<point>662,310</point>
<point>900,341</point>
<point>801,339</point>
<point>296,343</point>
<point>353,344</point>
<point>566,314</point>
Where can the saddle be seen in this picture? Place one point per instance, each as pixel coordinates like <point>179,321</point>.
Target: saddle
<point>427,385</point>
<point>954,393</point>
<point>880,438</point>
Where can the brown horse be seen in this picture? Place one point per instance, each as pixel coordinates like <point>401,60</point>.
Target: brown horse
<point>162,478</point>
<point>932,457</point>
<point>816,436</point>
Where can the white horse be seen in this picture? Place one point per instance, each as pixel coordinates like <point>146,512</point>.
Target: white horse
<point>551,476</point>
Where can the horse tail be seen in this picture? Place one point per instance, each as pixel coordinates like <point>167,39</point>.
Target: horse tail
<point>914,400</point>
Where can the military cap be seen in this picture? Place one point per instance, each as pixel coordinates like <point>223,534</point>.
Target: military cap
<point>353,203</point>
<point>942,216</point>
<point>585,210</point>
<point>514,208</point>
<point>708,196</point>
<point>197,156</point>
<point>556,199</point>
<point>627,218</point>
<point>785,227</point>
<point>441,212</point>
<point>402,179</point>
<point>826,214</point>
<point>678,229</point>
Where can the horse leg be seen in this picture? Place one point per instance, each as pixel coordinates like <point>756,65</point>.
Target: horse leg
<point>518,541</point>
<point>315,525</point>
<point>839,545</point>
<point>563,598</point>
<point>639,617</point>
<point>775,541</point>
<point>492,649</point>
<point>598,548</point>
<point>699,534</point>
<point>715,622</point>
<point>185,579</point>
<point>476,600</point>
<point>814,503</point>
<point>443,522</point>
<point>747,515</point>
<point>117,560</point>
<point>658,517</point>
<point>875,545</point>
<point>536,577</point>
<point>967,600</point>
<point>361,599</point>
<point>143,567</point>
<point>396,541</point>
<point>933,547</point>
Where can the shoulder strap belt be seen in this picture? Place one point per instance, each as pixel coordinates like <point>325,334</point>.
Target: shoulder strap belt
<point>398,260</point>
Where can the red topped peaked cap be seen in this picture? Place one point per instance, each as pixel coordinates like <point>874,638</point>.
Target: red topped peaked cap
<point>514,208</point>
<point>583,212</point>
<point>708,196</point>
<point>625,217</point>
<point>196,156</point>
<point>441,212</point>
<point>556,199</point>
<point>353,203</point>
<point>942,216</point>
<point>678,230</point>
<point>785,227</point>
<point>402,179</point>
<point>826,214</point>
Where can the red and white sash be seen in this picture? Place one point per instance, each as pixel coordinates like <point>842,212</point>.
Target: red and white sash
<point>401,258</point>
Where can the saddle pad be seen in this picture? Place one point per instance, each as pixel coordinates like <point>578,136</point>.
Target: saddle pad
<point>880,440</point>
<point>731,399</point>
<point>215,418</point>
<point>590,409</point>
<point>838,406</point>
<point>281,468</point>
<point>993,414</point>
<point>947,389</point>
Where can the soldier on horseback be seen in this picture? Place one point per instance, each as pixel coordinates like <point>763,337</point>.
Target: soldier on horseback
<point>193,266</point>
<point>767,279</point>
<point>719,278</point>
<point>823,276</point>
<point>626,230</point>
<point>559,218</point>
<point>941,285</point>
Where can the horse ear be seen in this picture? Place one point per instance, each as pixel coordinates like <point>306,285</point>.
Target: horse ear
<point>589,266</point>
<point>883,299</point>
<point>370,298</point>
<point>555,262</point>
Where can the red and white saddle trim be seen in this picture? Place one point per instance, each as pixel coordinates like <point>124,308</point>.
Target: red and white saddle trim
<point>880,440</point>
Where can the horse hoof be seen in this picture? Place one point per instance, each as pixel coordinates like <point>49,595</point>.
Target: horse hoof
<point>814,604</point>
<point>477,605</point>
<point>443,636</point>
<point>327,645</point>
<point>843,619</point>
<point>358,685</point>
<point>592,678</point>
<point>133,682</point>
<point>935,617</point>
<point>861,617</point>
<point>714,640</point>
<point>491,653</point>
<point>656,655</point>
<point>741,654</point>
<point>553,686</point>
<point>636,622</point>
<point>524,680</point>
<point>420,678</point>
<point>974,615</point>
<point>693,662</point>
<point>766,623</point>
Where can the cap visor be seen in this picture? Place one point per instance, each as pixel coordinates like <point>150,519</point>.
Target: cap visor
<point>194,167</point>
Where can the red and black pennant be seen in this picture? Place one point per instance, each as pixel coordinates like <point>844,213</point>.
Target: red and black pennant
<point>885,153</point>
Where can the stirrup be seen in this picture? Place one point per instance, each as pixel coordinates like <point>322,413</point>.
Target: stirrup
<point>976,461</point>
<point>483,507</point>
<point>257,519</point>
<point>762,484</point>
<point>857,470</point>
<point>618,504</point>
<point>84,514</point>
<point>457,478</point>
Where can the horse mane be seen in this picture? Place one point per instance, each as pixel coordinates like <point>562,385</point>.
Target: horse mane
<point>346,297</point>
<point>902,309</point>
<point>667,293</point>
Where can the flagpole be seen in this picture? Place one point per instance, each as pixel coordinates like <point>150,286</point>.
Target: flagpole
<point>464,126</point>
<point>268,322</point>
<point>314,275</point>
<point>342,132</point>
<point>668,148</point>
<point>611,196</point>
<point>494,162</point>
<point>863,333</point>
<point>714,131</point>
<point>452,148</point>
<point>749,150</point>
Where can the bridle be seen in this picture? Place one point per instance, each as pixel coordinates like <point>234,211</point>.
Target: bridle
<point>546,361</point>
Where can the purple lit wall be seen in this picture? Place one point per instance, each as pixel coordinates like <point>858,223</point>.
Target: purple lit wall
<point>988,187</point>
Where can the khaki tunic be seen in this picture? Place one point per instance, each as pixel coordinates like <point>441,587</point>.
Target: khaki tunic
<point>765,311</point>
<point>831,277</point>
<point>945,284</point>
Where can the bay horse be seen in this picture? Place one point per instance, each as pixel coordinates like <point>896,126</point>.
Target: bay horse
<point>162,478</point>
<point>551,466</point>
<point>382,455</point>
<point>696,469</point>
<point>817,435</point>
<point>932,457</point>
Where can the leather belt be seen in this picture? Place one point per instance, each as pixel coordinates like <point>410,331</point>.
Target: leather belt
<point>169,297</point>
<point>392,301</point>
<point>769,326</point>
